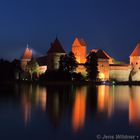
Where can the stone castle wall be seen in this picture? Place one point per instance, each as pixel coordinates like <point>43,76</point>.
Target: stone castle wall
<point>103,67</point>
<point>53,61</point>
<point>119,72</point>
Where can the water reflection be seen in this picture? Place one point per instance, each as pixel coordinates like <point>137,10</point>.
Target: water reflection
<point>77,105</point>
<point>79,108</point>
<point>32,95</point>
<point>26,109</point>
<point>122,97</point>
<point>41,97</point>
<point>134,106</point>
<point>57,102</point>
<point>103,100</point>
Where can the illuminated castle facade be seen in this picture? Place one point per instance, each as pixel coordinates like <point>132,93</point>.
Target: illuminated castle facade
<point>47,62</point>
<point>135,58</point>
<point>79,48</point>
<point>108,67</point>
<point>135,63</point>
<point>26,57</point>
<point>53,55</point>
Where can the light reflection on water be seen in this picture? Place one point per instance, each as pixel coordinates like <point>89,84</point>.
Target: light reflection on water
<point>105,100</point>
<point>30,94</point>
<point>134,106</point>
<point>77,108</point>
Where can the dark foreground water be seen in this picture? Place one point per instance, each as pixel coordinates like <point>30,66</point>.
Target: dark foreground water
<point>69,112</point>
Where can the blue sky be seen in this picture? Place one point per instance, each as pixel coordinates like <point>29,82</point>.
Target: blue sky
<point>112,25</point>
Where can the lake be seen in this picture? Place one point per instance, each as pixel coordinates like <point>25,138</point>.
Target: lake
<point>69,112</point>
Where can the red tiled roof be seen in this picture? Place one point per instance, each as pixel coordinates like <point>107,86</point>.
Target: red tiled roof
<point>27,54</point>
<point>95,50</point>
<point>101,54</point>
<point>136,51</point>
<point>82,42</point>
<point>79,41</point>
<point>107,55</point>
<point>56,47</point>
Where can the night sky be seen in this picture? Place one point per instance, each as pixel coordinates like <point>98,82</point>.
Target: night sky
<point>112,25</point>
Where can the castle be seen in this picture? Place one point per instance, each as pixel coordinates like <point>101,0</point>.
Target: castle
<point>108,67</point>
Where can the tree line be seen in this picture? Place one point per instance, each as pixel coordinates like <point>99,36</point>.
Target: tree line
<point>11,71</point>
<point>68,66</point>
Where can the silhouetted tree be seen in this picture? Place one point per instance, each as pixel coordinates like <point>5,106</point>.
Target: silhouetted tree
<point>131,74</point>
<point>67,65</point>
<point>55,75</point>
<point>16,68</point>
<point>78,76</point>
<point>9,70</point>
<point>32,67</point>
<point>62,63</point>
<point>92,66</point>
<point>68,62</point>
<point>72,63</point>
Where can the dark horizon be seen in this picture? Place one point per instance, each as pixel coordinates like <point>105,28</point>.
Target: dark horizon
<point>110,25</point>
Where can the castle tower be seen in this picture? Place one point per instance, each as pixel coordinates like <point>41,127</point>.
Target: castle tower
<point>26,57</point>
<point>103,64</point>
<point>79,49</point>
<point>135,58</point>
<point>53,55</point>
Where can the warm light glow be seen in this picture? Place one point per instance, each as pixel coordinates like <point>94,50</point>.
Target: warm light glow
<point>77,58</point>
<point>132,111</point>
<point>41,98</point>
<point>121,98</point>
<point>42,69</point>
<point>79,50</point>
<point>105,100</point>
<point>79,109</point>
<point>27,54</point>
<point>30,94</point>
<point>26,57</point>
<point>134,107</point>
<point>101,76</point>
<point>26,108</point>
<point>101,98</point>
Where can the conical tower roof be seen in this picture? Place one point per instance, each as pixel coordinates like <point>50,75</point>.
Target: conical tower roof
<point>27,53</point>
<point>79,41</point>
<point>136,51</point>
<point>56,47</point>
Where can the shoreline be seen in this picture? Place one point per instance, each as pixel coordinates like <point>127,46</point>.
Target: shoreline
<point>64,83</point>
